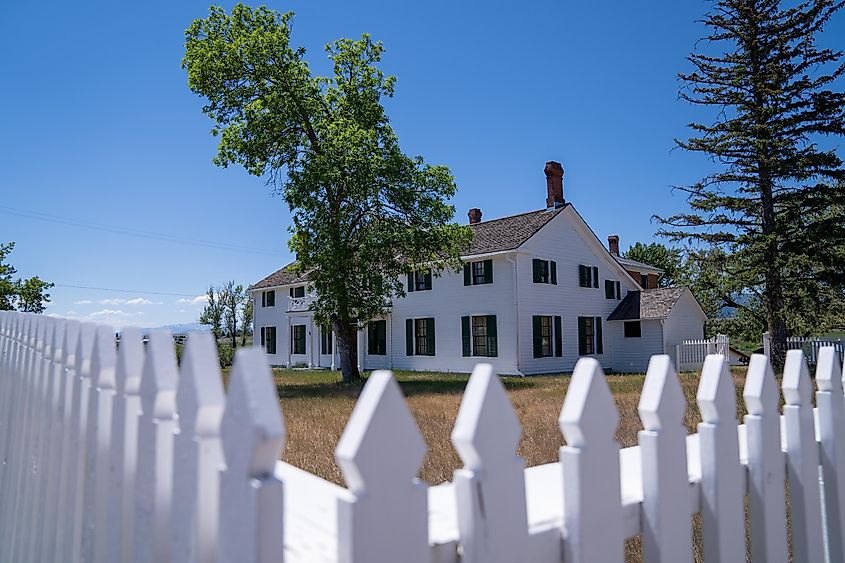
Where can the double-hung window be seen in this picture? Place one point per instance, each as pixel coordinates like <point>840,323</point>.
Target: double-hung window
<point>268,298</point>
<point>298,291</point>
<point>268,339</point>
<point>479,336</point>
<point>590,339</point>
<point>478,273</point>
<point>588,276</point>
<point>419,281</point>
<point>547,336</point>
<point>612,289</point>
<point>297,339</point>
<point>544,271</point>
<point>419,337</point>
<point>377,338</point>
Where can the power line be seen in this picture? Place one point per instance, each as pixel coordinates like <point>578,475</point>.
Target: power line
<point>125,290</point>
<point>132,232</point>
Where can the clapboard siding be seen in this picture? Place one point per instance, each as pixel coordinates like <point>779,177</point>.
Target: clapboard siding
<point>685,322</point>
<point>633,354</point>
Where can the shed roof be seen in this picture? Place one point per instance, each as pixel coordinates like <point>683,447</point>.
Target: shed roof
<point>647,304</point>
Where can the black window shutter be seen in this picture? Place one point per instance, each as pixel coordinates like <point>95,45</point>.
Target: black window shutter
<point>465,337</point>
<point>582,336</point>
<point>291,292</point>
<point>537,267</point>
<point>538,336</point>
<point>558,337</point>
<point>595,276</point>
<point>488,271</point>
<point>429,335</point>
<point>618,290</point>
<point>371,338</point>
<point>582,277</point>
<point>599,340</point>
<point>554,272</point>
<point>467,274</point>
<point>409,337</point>
<point>428,279</point>
<point>410,282</point>
<point>492,336</point>
<point>263,336</point>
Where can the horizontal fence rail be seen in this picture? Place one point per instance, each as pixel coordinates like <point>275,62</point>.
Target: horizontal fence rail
<point>121,455</point>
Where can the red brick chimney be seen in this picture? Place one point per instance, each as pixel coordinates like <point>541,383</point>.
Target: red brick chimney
<point>554,184</point>
<point>474,216</point>
<point>613,244</point>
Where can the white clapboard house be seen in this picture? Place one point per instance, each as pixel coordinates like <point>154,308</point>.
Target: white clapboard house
<point>538,290</point>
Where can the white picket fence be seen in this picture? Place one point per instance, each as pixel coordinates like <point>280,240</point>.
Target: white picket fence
<point>121,456</point>
<point>690,354</point>
<point>810,345</point>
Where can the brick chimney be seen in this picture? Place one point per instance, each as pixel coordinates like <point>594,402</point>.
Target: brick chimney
<point>554,184</point>
<point>613,244</point>
<point>474,216</point>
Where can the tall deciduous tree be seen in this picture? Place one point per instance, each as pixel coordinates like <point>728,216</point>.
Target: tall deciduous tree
<point>212,313</point>
<point>246,316</point>
<point>363,211</point>
<point>27,295</point>
<point>765,207</point>
<point>232,297</point>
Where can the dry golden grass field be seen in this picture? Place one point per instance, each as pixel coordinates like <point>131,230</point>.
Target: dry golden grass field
<point>316,409</point>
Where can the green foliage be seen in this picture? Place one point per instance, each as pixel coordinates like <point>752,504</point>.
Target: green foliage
<point>363,212</point>
<point>233,298</point>
<point>212,313</point>
<point>246,317</point>
<point>773,207</point>
<point>226,353</point>
<point>224,307</point>
<point>27,295</point>
<point>661,256</point>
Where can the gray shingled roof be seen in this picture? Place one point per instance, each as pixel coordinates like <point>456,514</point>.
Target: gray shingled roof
<point>647,304</point>
<point>496,235</point>
<point>635,264</point>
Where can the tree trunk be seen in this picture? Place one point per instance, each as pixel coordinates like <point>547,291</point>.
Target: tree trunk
<point>347,347</point>
<point>773,294</point>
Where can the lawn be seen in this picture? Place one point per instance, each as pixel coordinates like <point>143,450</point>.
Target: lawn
<point>316,409</point>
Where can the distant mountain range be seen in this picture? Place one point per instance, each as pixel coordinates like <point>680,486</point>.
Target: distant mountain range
<point>178,328</point>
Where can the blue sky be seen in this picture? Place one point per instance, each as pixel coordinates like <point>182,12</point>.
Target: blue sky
<point>100,130</point>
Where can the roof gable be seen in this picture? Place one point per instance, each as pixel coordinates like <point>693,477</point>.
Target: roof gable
<point>647,304</point>
<point>284,276</point>
<point>508,233</point>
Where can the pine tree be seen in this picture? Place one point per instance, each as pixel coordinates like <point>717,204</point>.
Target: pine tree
<point>774,204</point>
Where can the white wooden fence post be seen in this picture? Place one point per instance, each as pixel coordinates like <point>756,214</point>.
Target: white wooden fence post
<point>153,479</point>
<point>722,487</point>
<point>99,442</point>
<point>802,459</point>
<point>490,489</point>
<point>767,345</point>
<point>831,419</point>
<point>766,474</point>
<point>379,454</point>
<point>253,435</point>
<point>124,434</point>
<point>592,497</point>
<point>666,525</point>
<point>197,453</point>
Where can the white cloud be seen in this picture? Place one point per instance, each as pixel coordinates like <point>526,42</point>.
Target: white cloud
<point>135,301</point>
<point>198,300</point>
<point>83,302</point>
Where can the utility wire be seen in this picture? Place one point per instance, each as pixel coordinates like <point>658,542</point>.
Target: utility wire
<point>132,232</point>
<point>126,290</point>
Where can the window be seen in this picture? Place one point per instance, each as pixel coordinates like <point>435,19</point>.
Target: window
<point>268,298</point>
<point>419,337</point>
<point>326,340</point>
<point>297,291</point>
<point>644,281</point>
<point>419,281</point>
<point>544,271</point>
<point>633,329</point>
<point>548,338</point>
<point>612,289</point>
<point>297,339</point>
<point>268,339</point>
<point>590,339</point>
<point>588,276</point>
<point>377,338</point>
<point>478,273</point>
<point>479,336</point>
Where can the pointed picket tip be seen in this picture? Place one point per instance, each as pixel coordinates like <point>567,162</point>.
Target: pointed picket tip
<point>828,370</point>
<point>84,349</point>
<point>716,395</point>
<point>761,389</point>
<point>487,428</point>
<point>252,429</point>
<point>47,338</point>
<point>381,441</point>
<point>589,412</point>
<point>40,333</point>
<point>662,402</point>
<point>103,359</point>
<point>200,397</point>
<point>158,379</point>
<point>797,387</point>
<point>69,344</point>
<point>130,361</point>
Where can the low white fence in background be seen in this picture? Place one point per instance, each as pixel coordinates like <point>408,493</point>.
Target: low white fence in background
<point>121,456</point>
<point>690,354</point>
<point>810,345</point>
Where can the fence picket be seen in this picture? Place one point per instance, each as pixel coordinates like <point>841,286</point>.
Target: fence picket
<point>766,494</point>
<point>197,452</point>
<point>831,413</point>
<point>592,505</point>
<point>379,454</point>
<point>667,529</point>
<point>490,489</point>
<point>722,487</point>
<point>252,433</point>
